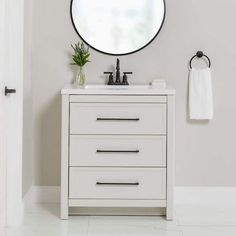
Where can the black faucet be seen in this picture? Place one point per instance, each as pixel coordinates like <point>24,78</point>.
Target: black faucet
<point>118,81</point>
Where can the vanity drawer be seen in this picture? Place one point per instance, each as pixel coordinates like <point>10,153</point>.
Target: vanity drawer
<point>102,150</point>
<point>115,118</point>
<point>117,183</point>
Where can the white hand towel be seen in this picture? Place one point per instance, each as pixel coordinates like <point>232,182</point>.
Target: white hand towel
<point>200,94</point>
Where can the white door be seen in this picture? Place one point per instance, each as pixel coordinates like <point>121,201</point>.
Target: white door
<point>11,109</point>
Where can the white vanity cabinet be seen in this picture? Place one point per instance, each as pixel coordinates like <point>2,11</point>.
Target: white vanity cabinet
<point>117,149</point>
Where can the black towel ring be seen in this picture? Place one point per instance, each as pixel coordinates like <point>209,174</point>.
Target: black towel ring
<point>200,54</point>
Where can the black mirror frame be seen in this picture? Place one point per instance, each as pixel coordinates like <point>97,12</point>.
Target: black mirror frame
<point>123,54</point>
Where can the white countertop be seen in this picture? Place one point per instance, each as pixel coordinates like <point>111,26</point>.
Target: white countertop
<point>116,90</point>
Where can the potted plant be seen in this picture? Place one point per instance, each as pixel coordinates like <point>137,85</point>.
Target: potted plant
<point>80,58</point>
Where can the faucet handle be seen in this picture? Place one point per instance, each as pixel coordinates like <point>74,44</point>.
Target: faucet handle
<point>125,78</point>
<point>110,82</point>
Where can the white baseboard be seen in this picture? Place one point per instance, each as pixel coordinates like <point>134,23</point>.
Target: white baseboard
<point>205,195</point>
<point>183,195</point>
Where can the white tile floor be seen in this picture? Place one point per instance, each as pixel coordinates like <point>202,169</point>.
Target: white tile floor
<point>191,220</point>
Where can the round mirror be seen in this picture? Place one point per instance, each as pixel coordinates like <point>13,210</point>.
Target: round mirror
<point>118,27</point>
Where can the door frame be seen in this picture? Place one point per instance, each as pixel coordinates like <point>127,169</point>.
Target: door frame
<point>12,48</point>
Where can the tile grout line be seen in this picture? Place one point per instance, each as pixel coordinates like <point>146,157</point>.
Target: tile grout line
<point>208,225</point>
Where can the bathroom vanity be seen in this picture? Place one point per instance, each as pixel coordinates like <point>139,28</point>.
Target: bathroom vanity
<point>117,148</point>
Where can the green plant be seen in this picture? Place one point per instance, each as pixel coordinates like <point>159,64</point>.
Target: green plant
<point>81,54</point>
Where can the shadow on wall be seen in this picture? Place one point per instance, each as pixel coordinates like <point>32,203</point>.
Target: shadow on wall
<point>47,133</point>
<point>72,68</point>
<point>48,146</point>
<point>102,77</point>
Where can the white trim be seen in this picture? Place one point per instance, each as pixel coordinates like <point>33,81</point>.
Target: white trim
<point>170,157</point>
<point>116,203</point>
<point>2,117</point>
<point>64,156</point>
<point>2,181</point>
<point>12,29</point>
<point>205,195</point>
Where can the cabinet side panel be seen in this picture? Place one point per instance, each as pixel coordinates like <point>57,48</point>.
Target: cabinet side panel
<point>170,156</point>
<point>64,156</point>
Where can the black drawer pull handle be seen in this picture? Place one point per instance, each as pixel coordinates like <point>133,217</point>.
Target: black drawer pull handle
<point>117,151</point>
<point>127,184</point>
<point>118,119</point>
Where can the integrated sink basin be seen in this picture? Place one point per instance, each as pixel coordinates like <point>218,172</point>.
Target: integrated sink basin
<point>92,89</point>
<point>117,87</point>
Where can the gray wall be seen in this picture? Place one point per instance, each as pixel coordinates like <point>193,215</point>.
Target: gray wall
<point>205,152</point>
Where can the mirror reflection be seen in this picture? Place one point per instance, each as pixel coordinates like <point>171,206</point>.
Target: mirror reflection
<point>118,26</point>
